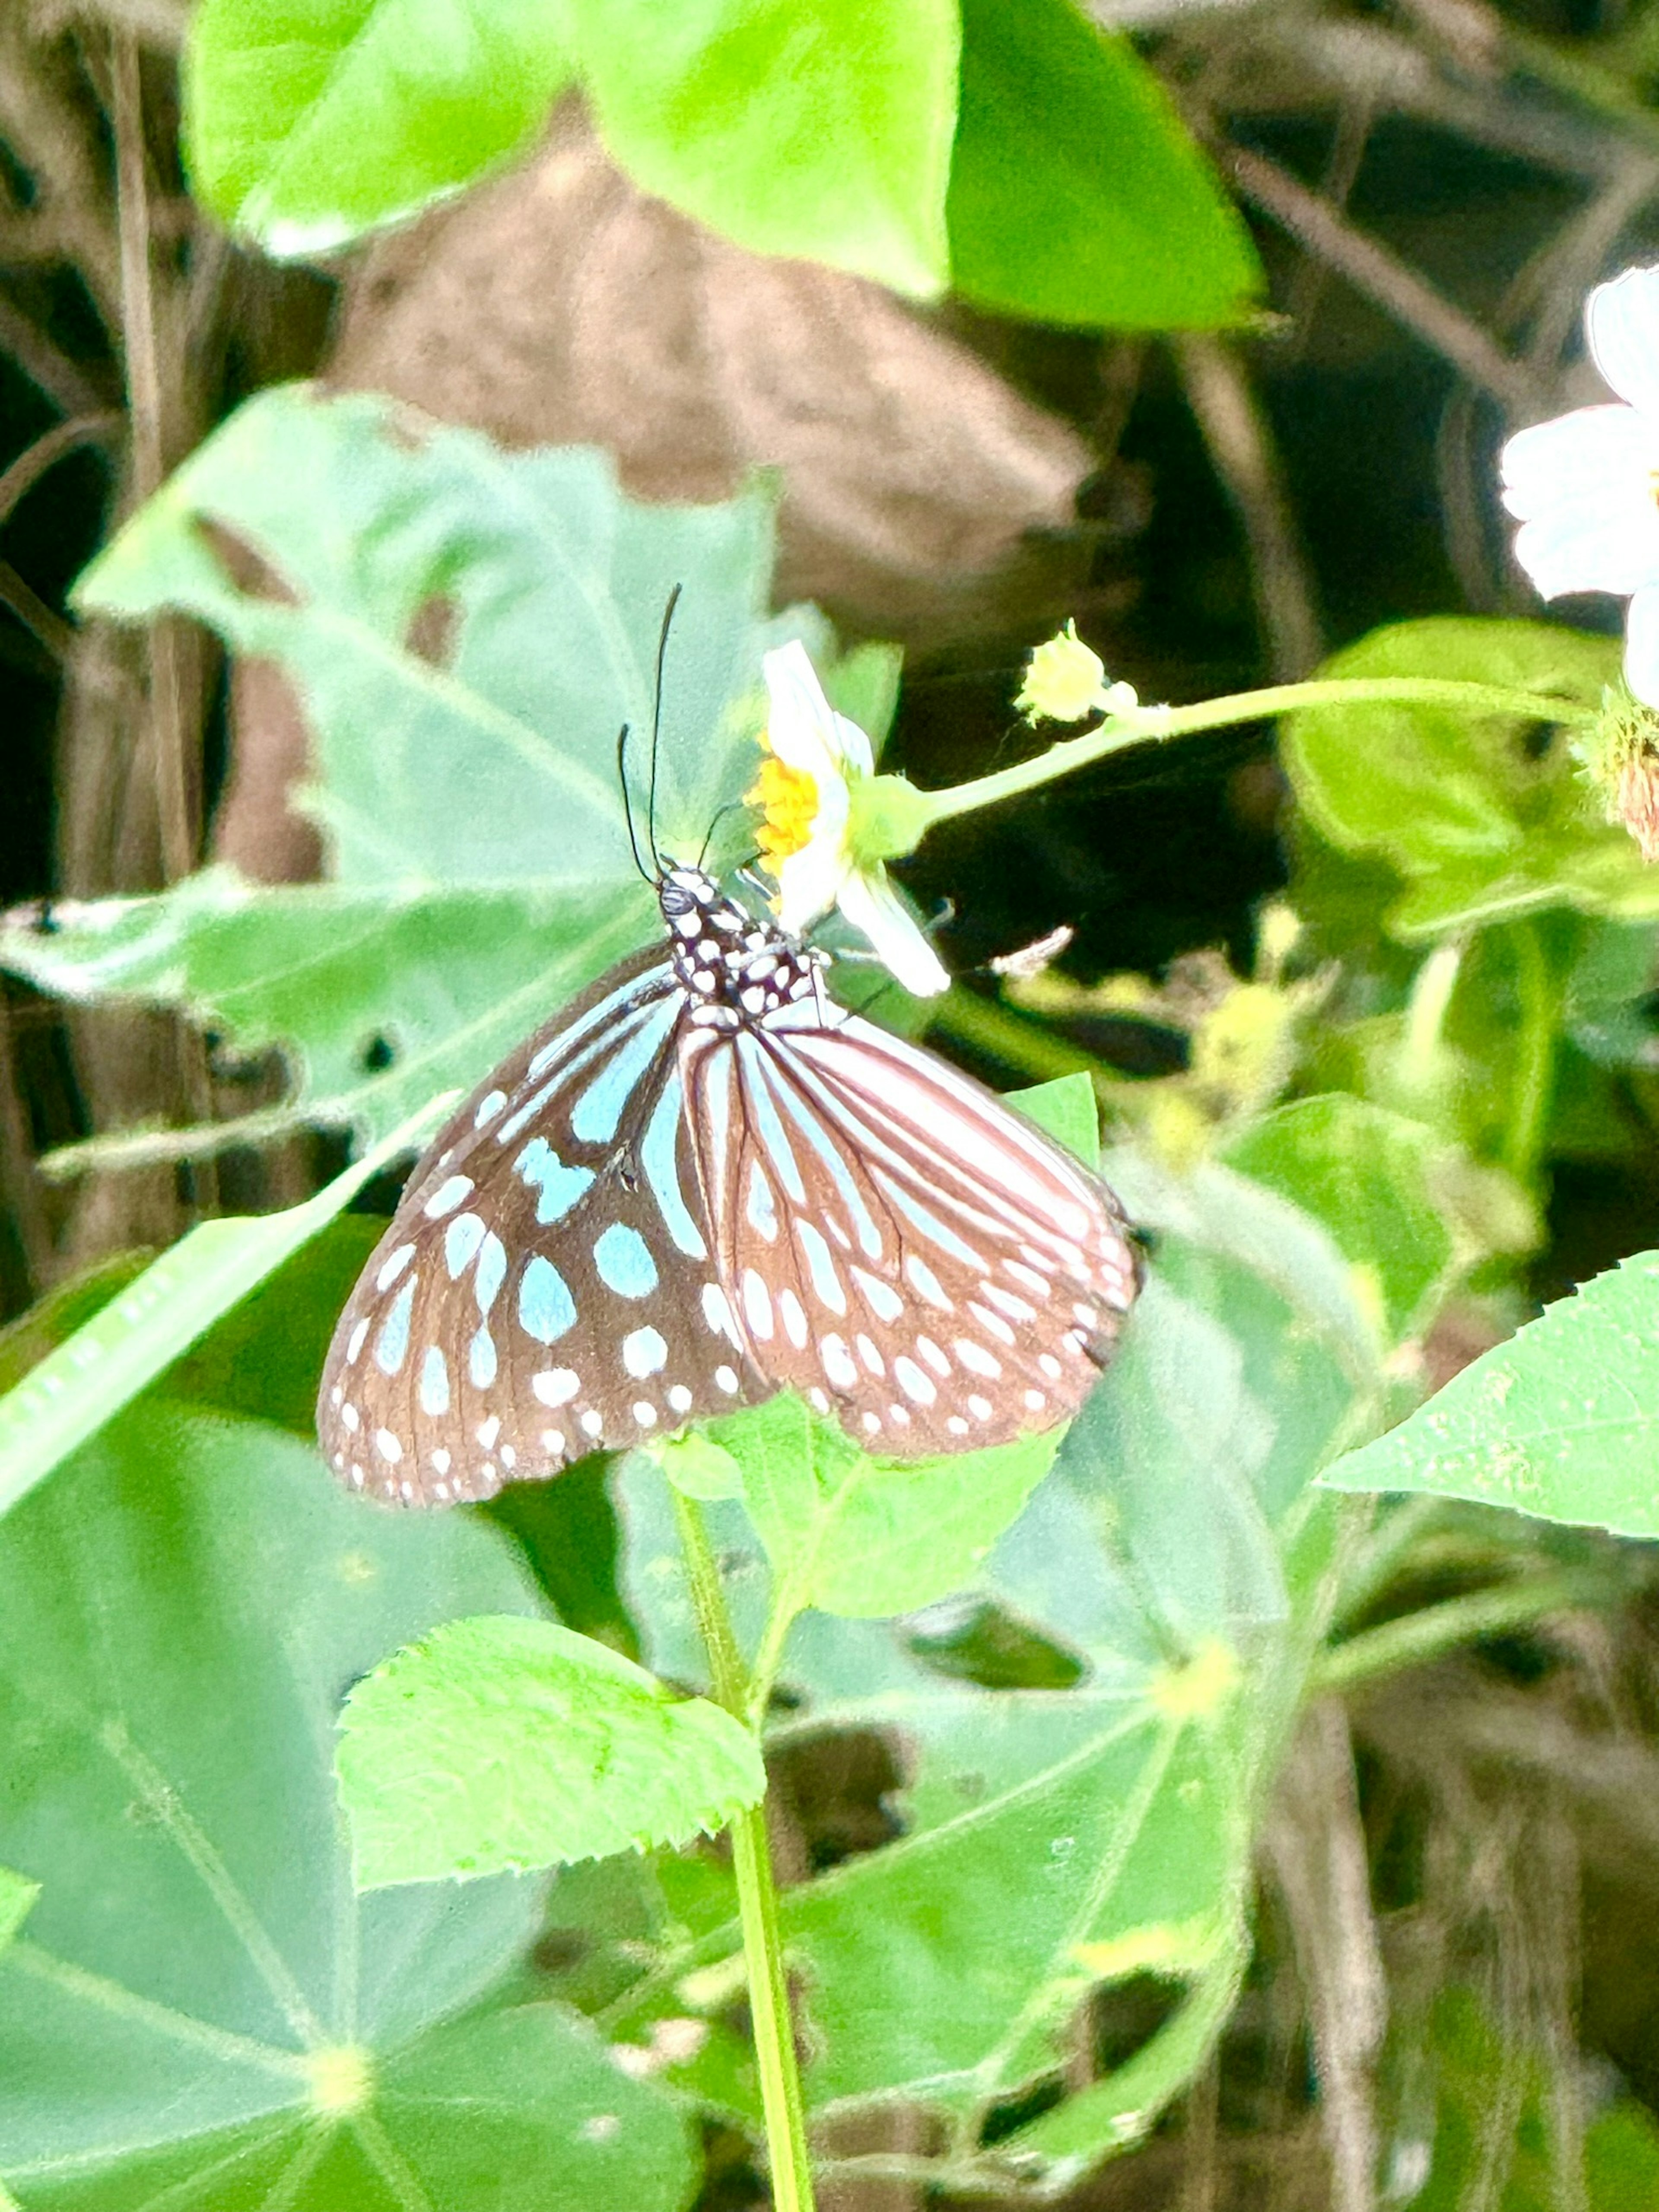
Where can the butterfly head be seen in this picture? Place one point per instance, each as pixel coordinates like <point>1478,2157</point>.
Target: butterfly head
<point>734,967</point>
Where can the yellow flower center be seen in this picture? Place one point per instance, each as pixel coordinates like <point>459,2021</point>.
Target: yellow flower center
<point>788,800</point>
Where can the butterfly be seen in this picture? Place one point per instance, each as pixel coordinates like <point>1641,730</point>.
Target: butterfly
<point>705,1181</point>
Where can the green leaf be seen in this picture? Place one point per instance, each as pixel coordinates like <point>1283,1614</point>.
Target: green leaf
<point>1076,196</point>
<point>1483,818</point>
<point>478,748</point>
<point>1376,1182</point>
<point>99,1370</point>
<point>1067,1110</point>
<point>307,122</point>
<point>1166,1587</point>
<point>1559,1422</point>
<point>823,133</point>
<point>198,2010</point>
<point>510,1744</point>
<point>465,768</point>
<point>852,1534</point>
<point>377,998</point>
<point>17,1896</point>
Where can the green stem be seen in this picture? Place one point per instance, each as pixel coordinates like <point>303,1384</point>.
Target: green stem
<point>1535,1060</point>
<point>1157,725</point>
<point>1417,1638</point>
<point>757,1895</point>
<point>990,1027</point>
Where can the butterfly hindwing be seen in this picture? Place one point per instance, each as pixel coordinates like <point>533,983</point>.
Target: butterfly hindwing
<point>544,1287</point>
<point>900,1248</point>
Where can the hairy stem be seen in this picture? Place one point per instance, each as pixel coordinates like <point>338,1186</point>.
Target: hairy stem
<point>758,1895</point>
<point>1158,725</point>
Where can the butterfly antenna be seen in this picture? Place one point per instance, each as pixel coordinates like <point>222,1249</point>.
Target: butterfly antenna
<point>656,723</point>
<point>628,806</point>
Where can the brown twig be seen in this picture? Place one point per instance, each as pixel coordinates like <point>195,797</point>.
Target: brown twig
<point>46,365</point>
<point>167,724</point>
<point>31,611</point>
<point>1402,295</point>
<point>1316,1846</point>
<point>27,470</point>
<point>1241,448</point>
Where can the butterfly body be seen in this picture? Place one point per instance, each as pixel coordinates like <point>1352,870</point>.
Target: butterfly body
<point>703,1181</point>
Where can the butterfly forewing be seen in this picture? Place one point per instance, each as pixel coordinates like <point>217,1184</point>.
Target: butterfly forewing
<point>901,1249</point>
<point>540,1290</point>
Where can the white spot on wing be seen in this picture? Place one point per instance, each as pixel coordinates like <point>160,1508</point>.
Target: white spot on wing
<point>394,1266</point>
<point>447,1197</point>
<point>556,1386</point>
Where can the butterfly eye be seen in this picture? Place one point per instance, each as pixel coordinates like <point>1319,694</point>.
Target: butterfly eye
<point>703,1182</point>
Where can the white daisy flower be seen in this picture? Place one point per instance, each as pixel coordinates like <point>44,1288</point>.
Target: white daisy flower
<point>1585,487</point>
<point>815,759</point>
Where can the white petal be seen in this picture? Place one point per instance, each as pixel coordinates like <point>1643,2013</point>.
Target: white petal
<point>810,882</point>
<point>1641,646</point>
<point>1594,454</point>
<point>803,729</point>
<point>1586,486</point>
<point>870,905</point>
<point>1621,320</point>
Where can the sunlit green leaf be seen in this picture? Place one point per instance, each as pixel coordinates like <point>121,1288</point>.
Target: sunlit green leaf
<point>307,121</point>
<point>1561,1421</point>
<point>1068,1110</point>
<point>821,132</point>
<point>198,2009</point>
<point>509,1744</point>
<point>1481,817</point>
<point>1076,196</point>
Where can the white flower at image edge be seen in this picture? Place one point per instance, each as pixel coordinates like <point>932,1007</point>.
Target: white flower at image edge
<point>1585,487</point>
<point>814,756</point>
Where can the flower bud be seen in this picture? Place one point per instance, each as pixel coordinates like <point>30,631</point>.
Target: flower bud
<point>1620,754</point>
<point>1065,681</point>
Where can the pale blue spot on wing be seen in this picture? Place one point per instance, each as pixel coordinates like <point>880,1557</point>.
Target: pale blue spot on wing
<point>448,1196</point>
<point>824,1144</point>
<point>644,1352</point>
<point>489,1109</point>
<point>492,1273</point>
<point>481,1360</point>
<point>546,1308</point>
<point>637,987</point>
<point>660,1157</point>
<point>623,1260</point>
<point>821,1267</point>
<point>761,1209</point>
<point>771,1128</point>
<point>558,1186</point>
<point>434,1382</point>
<point>391,1347</point>
<point>461,1241</point>
<point>597,1111</point>
<point>946,1239</point>
<point>884,1301</point>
